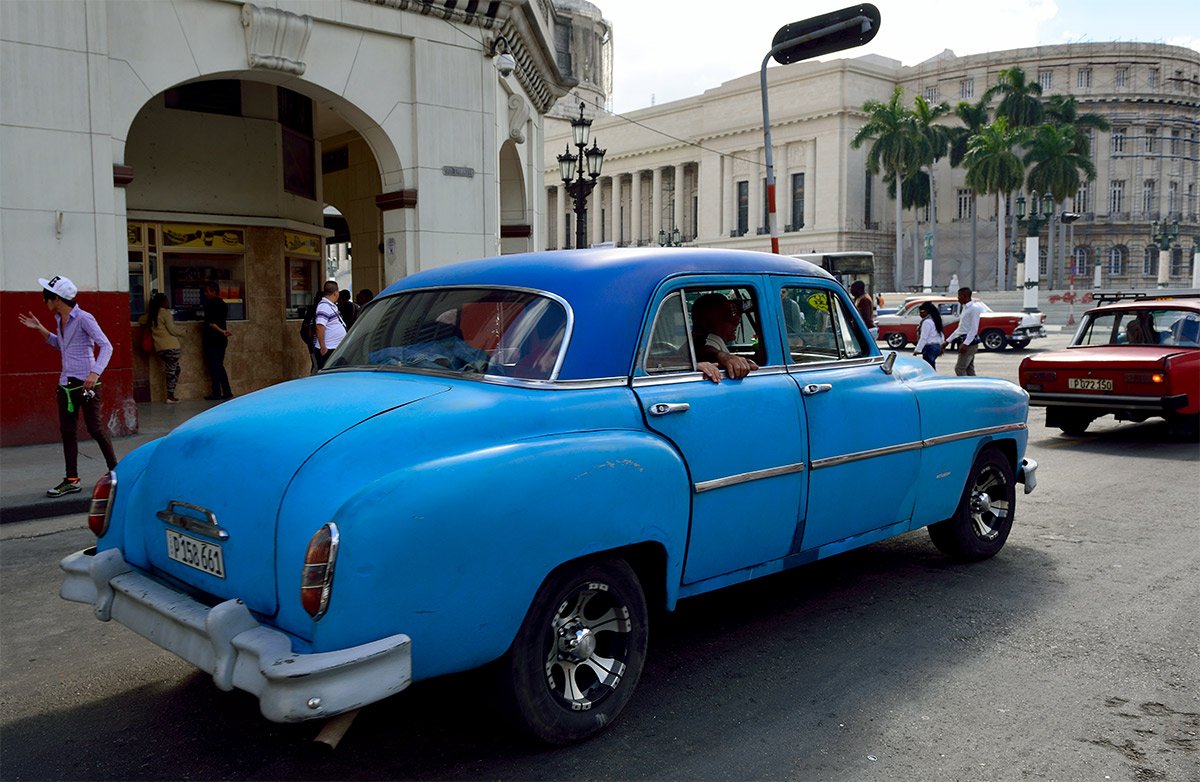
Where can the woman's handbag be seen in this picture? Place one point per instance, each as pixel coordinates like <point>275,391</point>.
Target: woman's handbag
<point>147,340</point>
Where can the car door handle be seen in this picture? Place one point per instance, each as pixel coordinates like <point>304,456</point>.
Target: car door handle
<point>665,408</point>
<point>816,388</point>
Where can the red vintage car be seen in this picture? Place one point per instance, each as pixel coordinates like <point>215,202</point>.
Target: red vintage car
<point>1134,359</point>
<point>996,329</point>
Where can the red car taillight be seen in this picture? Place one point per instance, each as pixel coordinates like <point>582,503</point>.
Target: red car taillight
<point>316,582</point>
<point>1143,377</point>
<point>101,508</point>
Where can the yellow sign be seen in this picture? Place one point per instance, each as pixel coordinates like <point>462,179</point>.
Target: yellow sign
<point>133,234</point>
<point>203,237</point>
<point>819,301</point>
<point>301,244</point>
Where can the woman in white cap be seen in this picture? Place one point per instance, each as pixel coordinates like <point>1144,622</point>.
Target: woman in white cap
<point>77,335</point>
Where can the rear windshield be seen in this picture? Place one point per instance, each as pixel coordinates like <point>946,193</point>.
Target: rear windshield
<point>1168,327</point>
<point>467,331</point>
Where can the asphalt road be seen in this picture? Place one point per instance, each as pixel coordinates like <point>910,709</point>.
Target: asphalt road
<point>1074,654</point>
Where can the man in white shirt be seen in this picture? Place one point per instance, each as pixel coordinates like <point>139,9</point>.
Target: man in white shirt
<point>967,332</point>
<point>328,324</point>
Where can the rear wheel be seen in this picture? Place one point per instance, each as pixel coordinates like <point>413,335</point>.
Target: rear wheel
<point>1072,422</point>
<point>993,339</point>
<point>577,657</point>
<point>983,519</point>
<point>895,340</point>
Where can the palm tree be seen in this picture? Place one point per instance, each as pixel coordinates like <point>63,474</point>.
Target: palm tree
<point>893,150</point>
<point>933,143</point>
<point>1021,99</point>
<point>993,167</point>
<point>1056,163</point>
<point>974,117</point>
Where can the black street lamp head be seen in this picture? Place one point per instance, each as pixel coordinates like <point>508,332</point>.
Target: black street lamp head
<point>676,237</point>
<point>580,128</point>
<point>1047,203</point>
<point>595,160</point>
<point>567,163</point>
<point>1020,206</point>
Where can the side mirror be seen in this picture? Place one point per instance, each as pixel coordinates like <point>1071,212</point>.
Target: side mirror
<point>889,363</point>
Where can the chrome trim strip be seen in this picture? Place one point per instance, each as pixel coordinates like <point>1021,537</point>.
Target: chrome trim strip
<point>949,438</point>
<point>835,362</point>
<point>831,461</point>
<point>672,378</point>
<point>746,477</point>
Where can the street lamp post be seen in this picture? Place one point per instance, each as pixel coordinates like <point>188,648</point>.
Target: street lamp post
<point>1033,223</point>
<point>572,165</point>
<point>673,239</point>
<point>1164,235</point>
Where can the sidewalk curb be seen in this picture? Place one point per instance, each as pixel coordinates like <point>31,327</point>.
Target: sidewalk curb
<point>31,507</point>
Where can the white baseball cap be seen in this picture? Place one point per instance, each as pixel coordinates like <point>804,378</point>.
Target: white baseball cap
<point>60,285</point>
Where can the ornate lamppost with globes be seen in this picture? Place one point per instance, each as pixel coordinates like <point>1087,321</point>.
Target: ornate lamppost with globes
<point>673,239</point>
<point>572,165</point>
<point>1164,235</point>
<point>1033,223</point>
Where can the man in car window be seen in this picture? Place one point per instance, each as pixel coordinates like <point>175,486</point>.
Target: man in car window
<point>714,322</point>
<point>967,333</point>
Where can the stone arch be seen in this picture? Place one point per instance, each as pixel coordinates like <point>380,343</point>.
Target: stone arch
<point>516,233</point>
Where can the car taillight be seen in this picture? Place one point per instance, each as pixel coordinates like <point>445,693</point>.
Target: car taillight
<point>316,582</point>
<point>101,508</point>
<point>1143,377</point>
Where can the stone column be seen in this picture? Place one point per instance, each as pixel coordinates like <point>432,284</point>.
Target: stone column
<point>635,209</point>
<point>614,209</point>
<point>560,210</point>
<point>656,194</point>
<point>596,212</point>
<point>680,195</point>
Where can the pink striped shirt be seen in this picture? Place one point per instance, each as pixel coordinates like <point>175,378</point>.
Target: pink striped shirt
<point>77,340</point>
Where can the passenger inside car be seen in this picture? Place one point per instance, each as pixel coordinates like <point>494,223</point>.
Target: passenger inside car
<point>1140,329</point>
<point>715,321</point>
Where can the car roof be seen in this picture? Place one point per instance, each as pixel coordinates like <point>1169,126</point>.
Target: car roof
<point>608,290</point>
<point>1151,304</point>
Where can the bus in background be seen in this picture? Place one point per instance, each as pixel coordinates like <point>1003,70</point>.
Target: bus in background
<point>846,266</point>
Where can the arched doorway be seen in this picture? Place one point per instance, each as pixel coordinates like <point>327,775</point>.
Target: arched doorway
<point>231,180</point>
<point>516,235</point>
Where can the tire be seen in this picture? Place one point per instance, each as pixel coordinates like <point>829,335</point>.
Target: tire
<point>579,653</point>
<point>993,339</point>
<point>1018,344</point>
<point>895,340</point>
<point>983,519</point>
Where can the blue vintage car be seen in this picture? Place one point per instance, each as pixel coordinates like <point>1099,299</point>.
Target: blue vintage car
<point>509,461</point>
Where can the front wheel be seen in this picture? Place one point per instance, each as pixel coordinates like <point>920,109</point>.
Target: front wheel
<point>1018,344</point>
<point>578,655</point>
<point>993,339</point>
<point>895,340</point>
<point>983,519</point>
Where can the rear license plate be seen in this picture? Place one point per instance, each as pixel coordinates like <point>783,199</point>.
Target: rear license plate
<point>1089,384</point>
<point>205,557</point>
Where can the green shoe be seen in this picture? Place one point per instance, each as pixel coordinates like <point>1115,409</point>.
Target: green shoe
<point>68,486</point>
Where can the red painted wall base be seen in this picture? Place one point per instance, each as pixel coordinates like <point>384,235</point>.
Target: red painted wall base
<point>29,369</point>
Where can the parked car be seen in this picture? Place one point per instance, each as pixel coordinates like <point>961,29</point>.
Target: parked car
<point>1134,359</point>
<point>996,329</point>
<point>513,460</point>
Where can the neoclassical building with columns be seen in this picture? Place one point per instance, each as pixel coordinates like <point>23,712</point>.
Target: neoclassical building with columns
<point>698,165</point>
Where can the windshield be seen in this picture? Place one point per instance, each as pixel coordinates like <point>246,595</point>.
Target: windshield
<point>470,331</point>
<point>1178,328</point>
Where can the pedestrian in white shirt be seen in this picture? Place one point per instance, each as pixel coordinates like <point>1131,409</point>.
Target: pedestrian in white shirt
<point>929,338</point>
<point>328,324</point>
<point>966,333</point>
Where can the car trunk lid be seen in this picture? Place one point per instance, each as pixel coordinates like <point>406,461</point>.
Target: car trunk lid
<point>206,509</point>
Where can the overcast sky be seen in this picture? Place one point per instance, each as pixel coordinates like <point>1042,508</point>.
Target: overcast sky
<point>665,50</point>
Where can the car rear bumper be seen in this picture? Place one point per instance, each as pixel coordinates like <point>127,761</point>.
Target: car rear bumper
<point>1155,404</point>
<point>229,643</point>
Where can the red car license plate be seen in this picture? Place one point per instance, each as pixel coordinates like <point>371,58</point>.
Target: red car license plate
<point>1089,384</point>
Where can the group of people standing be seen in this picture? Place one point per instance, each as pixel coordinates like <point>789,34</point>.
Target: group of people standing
<point>214,340</point>
<point>332,314</point>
